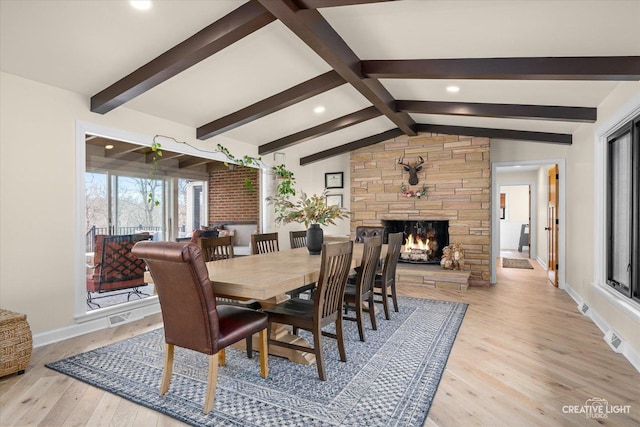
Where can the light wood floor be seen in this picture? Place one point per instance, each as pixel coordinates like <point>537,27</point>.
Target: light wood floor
<point>522,353</point>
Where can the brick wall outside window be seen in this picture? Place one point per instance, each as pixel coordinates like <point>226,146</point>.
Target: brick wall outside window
<point>229,198</point>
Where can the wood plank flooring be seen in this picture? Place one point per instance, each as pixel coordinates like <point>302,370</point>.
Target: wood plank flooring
<point>522,354</point>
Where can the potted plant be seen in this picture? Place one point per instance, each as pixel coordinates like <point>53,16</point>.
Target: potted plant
<point>312,211</point>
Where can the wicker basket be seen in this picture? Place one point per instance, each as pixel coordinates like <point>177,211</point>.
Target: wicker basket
<point>15,342</point>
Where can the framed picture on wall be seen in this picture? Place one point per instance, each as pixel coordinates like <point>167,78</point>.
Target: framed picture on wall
<point>334,180</point>
<point>334,199</point>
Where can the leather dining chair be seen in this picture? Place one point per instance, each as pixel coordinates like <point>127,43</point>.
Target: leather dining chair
<point>324,309</point>
<point>362,290</point>
<point>264,243</point>
<point>190,315</point>
<point>385,283</point>
<point>218,248</point>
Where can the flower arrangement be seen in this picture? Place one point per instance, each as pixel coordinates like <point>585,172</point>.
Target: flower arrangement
<point>306,210</point>
<point>406,192</point>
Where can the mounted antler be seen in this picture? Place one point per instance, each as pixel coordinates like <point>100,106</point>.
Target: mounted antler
<point>413,170</point>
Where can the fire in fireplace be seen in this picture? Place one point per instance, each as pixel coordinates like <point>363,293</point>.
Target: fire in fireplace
<point>423,239</point>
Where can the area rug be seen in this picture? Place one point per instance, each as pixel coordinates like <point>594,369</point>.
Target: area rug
<point>516,263</point>
<point>391,379</point>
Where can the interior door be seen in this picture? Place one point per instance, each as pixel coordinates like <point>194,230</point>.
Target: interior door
<point>552,226</point>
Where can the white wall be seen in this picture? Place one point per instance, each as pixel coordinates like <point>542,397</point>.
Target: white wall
<point>578,225</point>
<point>40,272</point>
<point>516,214</point>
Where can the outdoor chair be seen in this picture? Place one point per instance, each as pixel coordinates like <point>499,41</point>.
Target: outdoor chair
<point>218,248</point>
<point>385,283</point>
<point>115,267</point>
<point>361,291</point>
<point>324,309</point>
<point>264,243</point>
<point>191,317</point>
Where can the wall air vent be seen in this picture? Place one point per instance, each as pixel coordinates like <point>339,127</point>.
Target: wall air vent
<point>584,308</point>
<point>615,342</point>
<point>122,318</point>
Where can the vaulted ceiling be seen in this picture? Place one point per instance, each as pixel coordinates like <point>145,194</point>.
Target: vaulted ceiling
<point>254,71</point>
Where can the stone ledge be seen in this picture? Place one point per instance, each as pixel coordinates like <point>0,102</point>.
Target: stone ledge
<point>432,276</point>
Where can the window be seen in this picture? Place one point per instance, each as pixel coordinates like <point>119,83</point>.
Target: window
<point>623,208</point>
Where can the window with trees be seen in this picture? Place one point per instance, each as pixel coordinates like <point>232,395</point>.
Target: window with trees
<point>623,209</point>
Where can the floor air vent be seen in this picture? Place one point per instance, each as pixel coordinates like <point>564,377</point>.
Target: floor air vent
<point>121,318</point>
<point>614,341</point>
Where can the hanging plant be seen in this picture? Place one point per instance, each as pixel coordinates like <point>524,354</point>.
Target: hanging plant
<point>156,154</point>
<point>285,180</point>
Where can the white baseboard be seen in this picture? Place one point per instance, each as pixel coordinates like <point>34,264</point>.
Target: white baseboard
<point>626,350</point>
<point>108,320</point>
<point>542,263</point>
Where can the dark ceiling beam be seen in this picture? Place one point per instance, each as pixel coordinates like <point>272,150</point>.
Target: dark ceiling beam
<point>351,146</point>
<point>551,68</point>
<point>322,129</point>
<point>315,31</point>
<point>166,155</point>
<point>305,90</point>
<point>510,111</point>
<point>217,36</point>
<point>317,4</point>
<point>555,138</point>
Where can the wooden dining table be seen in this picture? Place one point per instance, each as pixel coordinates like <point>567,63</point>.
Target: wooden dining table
<point>267,278</point>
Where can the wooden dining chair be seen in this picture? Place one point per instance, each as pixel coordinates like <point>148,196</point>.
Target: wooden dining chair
<point>362,290</point>
<point>218,248</point>
<point>385,283</point>
<point>324,309</point>
<point>264,243</point>
<point>191,317</point>
<point>298,239</point>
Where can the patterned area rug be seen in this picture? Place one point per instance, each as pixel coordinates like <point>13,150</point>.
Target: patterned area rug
<point>390,379</point>
<point>516,263</point>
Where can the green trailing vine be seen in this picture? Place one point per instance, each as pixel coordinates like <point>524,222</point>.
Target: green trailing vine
<point>286,180</point>
<point>156,154</point>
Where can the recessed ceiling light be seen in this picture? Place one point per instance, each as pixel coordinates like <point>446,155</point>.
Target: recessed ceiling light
<point>319,109</point>
<point>108,147</point>
<point>141,4</point>
<point>453,89</point>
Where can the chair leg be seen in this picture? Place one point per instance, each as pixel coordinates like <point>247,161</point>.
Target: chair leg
<point>167,370</point>
<point>264,353</point>
<point>394,297</point>
<point>359,320</point>
<point>212,382</point>
<point>222,357</point>
<point>317,349</point>
<point>372,313</point>
<point>249,347</point>
<point>340,338</point>
<point>385,302</point>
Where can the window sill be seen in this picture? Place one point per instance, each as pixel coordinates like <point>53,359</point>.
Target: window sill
<point>627,305</point>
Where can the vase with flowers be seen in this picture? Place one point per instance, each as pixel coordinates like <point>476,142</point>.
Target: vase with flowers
<point>312,211</point>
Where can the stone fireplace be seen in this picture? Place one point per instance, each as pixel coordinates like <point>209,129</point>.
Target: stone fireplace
<point>423,239</point>
<point>456,176</point>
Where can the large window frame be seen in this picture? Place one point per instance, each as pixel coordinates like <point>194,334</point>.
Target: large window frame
<point>623,205</point>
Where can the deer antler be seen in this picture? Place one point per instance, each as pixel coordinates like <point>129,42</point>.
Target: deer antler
<point>400,162</point>
<point>420,162</point>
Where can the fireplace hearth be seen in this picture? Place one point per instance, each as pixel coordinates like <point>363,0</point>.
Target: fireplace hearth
<point>423,239</point>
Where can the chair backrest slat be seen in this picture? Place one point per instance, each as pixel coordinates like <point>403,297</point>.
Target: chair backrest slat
<point>391,260</point>
<point>216,248</point>
<point>298,239</point>
<point>264,243</point>
<point>334,270</point>
<point>369,264</point>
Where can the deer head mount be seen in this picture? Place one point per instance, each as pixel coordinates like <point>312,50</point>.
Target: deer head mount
<point>413,170</point>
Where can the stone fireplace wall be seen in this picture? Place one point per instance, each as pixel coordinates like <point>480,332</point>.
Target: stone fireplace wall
<point>457,175</point>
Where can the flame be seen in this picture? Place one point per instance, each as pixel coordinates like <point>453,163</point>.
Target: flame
<point>417,244</point>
